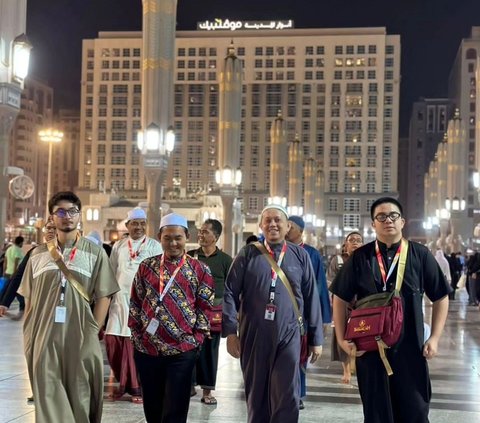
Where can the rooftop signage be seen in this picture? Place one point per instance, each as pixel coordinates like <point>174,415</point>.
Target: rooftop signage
<point>230,25</point>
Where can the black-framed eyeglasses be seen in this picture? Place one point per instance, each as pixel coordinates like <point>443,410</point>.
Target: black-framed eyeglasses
<point>62,213</point>
<point>382,217</point>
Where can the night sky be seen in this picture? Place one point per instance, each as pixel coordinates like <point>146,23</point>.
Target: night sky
<point>430,30</point>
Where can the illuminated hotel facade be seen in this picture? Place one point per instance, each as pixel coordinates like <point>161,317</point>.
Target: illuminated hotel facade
<point>338,89</point>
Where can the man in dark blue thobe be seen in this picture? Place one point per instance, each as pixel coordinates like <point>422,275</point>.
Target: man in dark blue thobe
<point>268,339</point>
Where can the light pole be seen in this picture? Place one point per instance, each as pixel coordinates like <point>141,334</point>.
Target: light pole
<point>156,140</point>
<point>229,180</point>
<point>52,136</point>
<point>13,71</point>
<point>156,146</point>
<point>228,175</point>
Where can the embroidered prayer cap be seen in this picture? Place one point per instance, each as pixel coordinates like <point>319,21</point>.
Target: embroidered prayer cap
<point>136,213</point>
<point>298,220</point>
<point>276,207</point>
<point>94,236</point>
<point>173,219</point>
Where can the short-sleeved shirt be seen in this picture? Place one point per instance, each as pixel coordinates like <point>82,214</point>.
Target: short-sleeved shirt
<point>219,264</point>
<point>13,253</point>
<point>361,276</point>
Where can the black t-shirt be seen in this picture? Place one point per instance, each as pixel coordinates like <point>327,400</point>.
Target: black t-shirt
<point>360,277</point>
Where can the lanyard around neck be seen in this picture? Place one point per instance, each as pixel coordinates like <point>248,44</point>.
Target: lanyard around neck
<point>280,257</point>
<point>400,255</point>
<point>73,252</point>
<point>273,283</point>
<point>164,289</point>
<point>131,252</point>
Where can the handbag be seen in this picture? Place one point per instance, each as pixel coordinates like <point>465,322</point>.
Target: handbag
<point>216,319</point>
<point>462,281</point>
<point>376,322</point>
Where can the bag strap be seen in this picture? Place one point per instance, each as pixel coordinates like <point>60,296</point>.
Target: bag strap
<point>402,262</point>
<point>58,259</point>
<point>281,274</point>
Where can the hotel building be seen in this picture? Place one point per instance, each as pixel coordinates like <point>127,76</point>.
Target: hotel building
<point>338,89</point>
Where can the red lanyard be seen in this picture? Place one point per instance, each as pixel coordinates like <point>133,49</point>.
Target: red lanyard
<point>384,274</point>
<point>280,258</point>
<point>72,254</point>
<point>134,254</point>
<point>164,289</point>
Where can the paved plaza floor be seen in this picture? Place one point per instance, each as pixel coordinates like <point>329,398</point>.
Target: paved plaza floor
<point>455,377</point>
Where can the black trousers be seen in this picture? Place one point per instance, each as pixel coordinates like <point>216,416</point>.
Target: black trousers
<point>166,384</point>
<point>206,368</point>
<point>403,397</point>
<point>10,292</point>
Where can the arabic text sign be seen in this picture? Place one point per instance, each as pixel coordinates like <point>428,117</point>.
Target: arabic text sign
<point>230,25</point>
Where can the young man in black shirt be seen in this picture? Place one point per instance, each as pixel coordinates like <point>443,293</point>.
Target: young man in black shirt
<point>404,396</point>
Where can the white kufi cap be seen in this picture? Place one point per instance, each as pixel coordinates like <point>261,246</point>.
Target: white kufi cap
<point>276,207</point>
<point>136,213</point>
<point>173,219</point>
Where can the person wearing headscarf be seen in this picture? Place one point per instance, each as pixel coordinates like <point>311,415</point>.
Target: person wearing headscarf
<point>352,241</point>
<point>444,265</point>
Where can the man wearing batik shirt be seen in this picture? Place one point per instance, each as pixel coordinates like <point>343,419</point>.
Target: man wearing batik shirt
<point>171,301</point>
<point>126,256</point>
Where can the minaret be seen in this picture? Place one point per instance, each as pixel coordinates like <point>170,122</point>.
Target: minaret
<point>159,21</point>
<point>295,177</point>
<point>229,175</point>
<point>442,172</point>
<point>456,158</point>
<point>309,196</point>
<point>319,193</point>
<point>278,162</point>
<point>457,182</point>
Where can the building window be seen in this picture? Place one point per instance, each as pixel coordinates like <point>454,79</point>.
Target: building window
<point>351,221</point>
<point>332,204</point>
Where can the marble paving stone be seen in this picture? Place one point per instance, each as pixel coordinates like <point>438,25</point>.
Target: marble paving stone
<point>455,377</point>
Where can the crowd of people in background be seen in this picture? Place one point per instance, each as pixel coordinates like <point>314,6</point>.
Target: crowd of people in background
<point>161,310</point>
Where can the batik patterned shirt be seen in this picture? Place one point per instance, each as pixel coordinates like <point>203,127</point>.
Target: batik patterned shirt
<point>184,312</point>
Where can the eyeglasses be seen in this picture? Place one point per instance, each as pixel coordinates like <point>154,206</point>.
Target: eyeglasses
<point>355,240</point>
<point>382,217</point>
<point>62,213</point>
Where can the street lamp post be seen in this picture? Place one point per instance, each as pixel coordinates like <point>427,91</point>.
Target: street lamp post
<point>156,146</point>
<point>52,136</point>
<point>156,140</point>
<point>15,53</point>
<point>229,180</point>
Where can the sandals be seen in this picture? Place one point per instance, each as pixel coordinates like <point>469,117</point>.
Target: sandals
<point>137,399</point>
<point>209,400</point>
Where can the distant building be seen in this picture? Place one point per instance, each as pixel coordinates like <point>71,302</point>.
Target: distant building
<point>28,152</point>
<point>337,88</point>
<point>463,90</point>
<point>428,124</point>
<point>66,178</point>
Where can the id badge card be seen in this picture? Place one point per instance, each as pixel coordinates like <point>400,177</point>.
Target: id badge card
<point>60,314</point>
<point>270,311</point>
<point>153,326</point>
